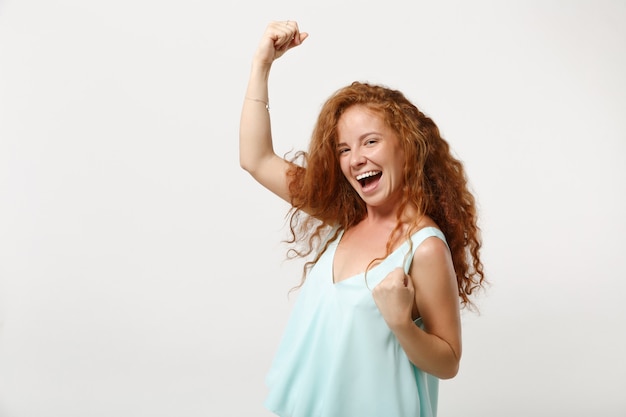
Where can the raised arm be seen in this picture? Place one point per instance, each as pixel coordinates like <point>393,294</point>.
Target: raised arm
<point>256,150</point>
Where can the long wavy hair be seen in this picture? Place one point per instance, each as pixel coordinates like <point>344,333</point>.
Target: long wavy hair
<point>434,182</point>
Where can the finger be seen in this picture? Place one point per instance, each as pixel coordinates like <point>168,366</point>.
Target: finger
<point>291,33</point>
<point>288,28</point>
<point>296,31</point>
<point>298,37</point>
<point>408,281</point>
<point>280,32</point>
<point>398,277</point>
<point>302,36</point>
<point>283,39</point>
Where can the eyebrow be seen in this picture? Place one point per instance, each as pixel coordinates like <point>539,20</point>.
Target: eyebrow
<point>363,136</point>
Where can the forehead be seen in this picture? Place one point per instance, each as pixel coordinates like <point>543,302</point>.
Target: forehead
<point>360,118</point>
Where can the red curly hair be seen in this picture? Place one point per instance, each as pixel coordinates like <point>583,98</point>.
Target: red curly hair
<point>434,182</point>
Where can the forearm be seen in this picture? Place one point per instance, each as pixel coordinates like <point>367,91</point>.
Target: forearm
<point>428,352</point>
<point>255,136</point>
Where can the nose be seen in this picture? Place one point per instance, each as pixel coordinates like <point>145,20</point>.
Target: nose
<point>357,158</point>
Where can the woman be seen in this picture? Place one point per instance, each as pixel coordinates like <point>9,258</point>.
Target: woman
<point>384,208</point>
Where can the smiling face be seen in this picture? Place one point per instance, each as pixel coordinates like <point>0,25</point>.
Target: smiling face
<point>370,156</point>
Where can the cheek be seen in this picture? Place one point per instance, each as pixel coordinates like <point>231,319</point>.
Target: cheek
<point>345,171</point>
<point>345,166</point>
<point>398,169</point>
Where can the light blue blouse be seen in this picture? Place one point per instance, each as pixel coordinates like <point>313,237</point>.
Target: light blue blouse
<point>338,357</point>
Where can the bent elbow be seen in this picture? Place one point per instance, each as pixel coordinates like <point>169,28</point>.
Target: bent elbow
<point>243,165</point>
<point>246,164</point>
<point>253,162</point>
<point>450,370</point>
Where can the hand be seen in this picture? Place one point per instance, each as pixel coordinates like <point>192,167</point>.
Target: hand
<point>395,296</point>
<point>278,38</point>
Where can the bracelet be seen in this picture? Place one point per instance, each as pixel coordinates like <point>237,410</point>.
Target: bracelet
<point>267,103</point>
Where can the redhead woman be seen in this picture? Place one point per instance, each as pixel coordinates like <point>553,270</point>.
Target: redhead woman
<point>382,211</point>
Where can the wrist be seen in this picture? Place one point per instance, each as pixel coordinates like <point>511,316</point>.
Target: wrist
<point>261,65</point>
<point>402,327</point>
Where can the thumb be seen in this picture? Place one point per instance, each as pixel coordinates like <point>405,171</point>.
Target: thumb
<point>300,37</point>
<point>408,281</point>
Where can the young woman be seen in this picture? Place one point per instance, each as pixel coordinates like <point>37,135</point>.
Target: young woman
<point>384,208</point>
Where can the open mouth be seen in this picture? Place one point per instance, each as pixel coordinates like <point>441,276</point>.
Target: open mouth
<point>367,179</point>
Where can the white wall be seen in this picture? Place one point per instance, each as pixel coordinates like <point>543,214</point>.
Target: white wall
<point>141,270</point>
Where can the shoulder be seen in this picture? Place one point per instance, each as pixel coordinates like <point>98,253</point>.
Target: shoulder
<point>428,238</point>
<point>432,248</point>
<point>431,252</point>
<point>432,269</point>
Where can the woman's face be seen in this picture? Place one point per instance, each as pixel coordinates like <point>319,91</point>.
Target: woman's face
<point>370,156</point>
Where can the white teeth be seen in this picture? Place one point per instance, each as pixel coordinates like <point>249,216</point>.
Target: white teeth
<point>366,174</point>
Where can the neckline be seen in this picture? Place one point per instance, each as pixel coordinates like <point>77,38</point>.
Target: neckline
<point>360,274</point>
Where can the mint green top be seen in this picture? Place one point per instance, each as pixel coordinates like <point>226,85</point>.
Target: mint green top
<point>338,357</point>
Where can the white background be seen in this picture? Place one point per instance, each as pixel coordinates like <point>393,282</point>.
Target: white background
<point>142,271</point>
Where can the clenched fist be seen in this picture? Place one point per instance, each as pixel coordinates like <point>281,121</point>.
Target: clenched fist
<point>395,296</point>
